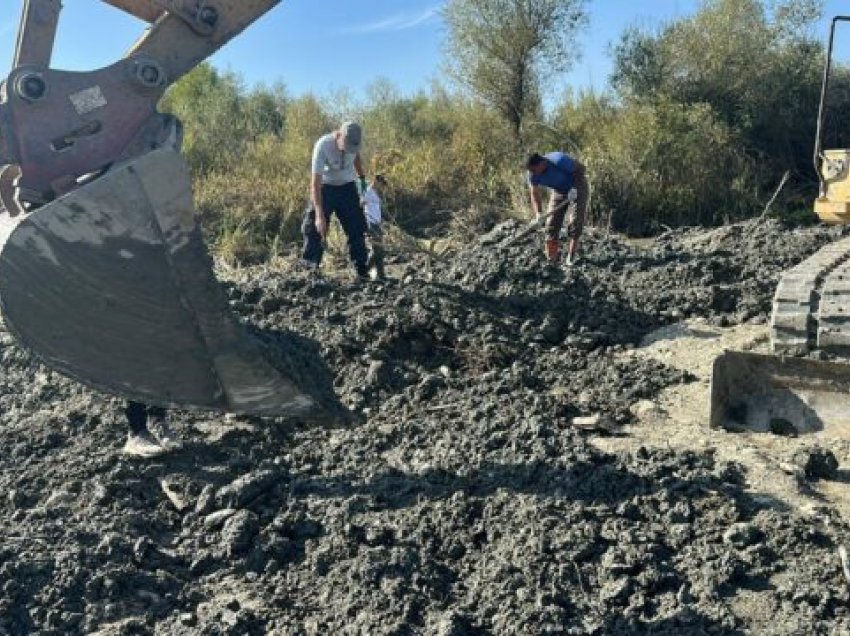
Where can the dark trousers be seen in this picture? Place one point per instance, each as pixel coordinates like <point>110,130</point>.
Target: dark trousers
<point>345,202</point>
<point>137,415</point>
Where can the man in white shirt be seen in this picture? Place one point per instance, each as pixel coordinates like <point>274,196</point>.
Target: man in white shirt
<point>333,189</point>
<point>372,205</point>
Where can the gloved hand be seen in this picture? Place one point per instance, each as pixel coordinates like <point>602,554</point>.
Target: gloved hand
<point>572,195</point>
<point>363,186</point>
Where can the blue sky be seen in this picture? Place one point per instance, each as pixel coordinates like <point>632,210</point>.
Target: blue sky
<point>327,45</point>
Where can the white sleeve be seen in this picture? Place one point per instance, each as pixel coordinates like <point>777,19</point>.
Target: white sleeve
<point>373,204</point>
<point>319,160</point>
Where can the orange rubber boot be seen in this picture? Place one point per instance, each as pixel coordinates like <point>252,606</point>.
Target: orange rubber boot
<point>553,250</point>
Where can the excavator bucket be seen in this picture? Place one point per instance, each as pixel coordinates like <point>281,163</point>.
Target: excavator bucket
<point>780,394</point>
<point>112,285</point>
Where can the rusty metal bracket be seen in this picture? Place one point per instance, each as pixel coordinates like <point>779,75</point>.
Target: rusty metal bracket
<point>37,32</point>
<point>200,15</point>
<point>180,48</point>
<point>59,126</point>
<point>147,10</point>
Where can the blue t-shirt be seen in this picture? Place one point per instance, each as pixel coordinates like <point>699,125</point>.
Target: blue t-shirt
<point>559,174</point>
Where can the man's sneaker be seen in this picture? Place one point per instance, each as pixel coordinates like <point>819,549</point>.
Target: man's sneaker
<point>143,445</point>
<point>164,434</point>
<point>572,259</point>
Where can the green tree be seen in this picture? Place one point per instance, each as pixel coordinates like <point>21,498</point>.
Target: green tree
<point>755,65</point>
<point>665,164</point>
<point>208,103</point>
<point>501,50</point>
<point>264,111</point>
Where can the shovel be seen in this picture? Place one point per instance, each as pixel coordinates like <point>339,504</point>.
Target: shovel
<point>535,225</point>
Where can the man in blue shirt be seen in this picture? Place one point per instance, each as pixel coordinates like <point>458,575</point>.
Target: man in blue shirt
<point>566,178</point>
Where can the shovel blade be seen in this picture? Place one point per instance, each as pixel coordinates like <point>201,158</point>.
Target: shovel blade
<point>112,285</point>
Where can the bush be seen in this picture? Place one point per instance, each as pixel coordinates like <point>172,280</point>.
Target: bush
<point>704,119</point>
<point>666,164</point>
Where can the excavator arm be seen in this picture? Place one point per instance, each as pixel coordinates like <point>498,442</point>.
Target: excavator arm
<point>103,271</point>
<point>60,125</point>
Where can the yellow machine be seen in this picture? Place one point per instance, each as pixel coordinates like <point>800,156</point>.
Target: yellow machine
<point>833,203</point>
<point>811,312</point>
<point>832,166</point>
<point>103,272</point>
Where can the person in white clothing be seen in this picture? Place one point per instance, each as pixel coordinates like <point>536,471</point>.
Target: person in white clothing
<point>336,169</point>
<point>372,206</point>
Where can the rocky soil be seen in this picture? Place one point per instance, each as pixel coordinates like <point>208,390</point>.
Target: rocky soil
<point>450,487</point>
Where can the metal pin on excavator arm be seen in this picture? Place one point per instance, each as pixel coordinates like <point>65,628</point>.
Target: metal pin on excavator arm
<point>103,271</point>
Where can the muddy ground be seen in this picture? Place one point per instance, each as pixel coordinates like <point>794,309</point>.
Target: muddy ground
<point>452,485</point>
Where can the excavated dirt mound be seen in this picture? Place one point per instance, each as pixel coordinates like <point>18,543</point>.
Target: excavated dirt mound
<point>446,488</point>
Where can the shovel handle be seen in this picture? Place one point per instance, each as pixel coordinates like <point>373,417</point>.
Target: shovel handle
<point>535,224</point>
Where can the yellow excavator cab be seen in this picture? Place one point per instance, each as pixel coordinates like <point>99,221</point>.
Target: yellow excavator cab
<point>832,166</point>
<point>833,204</point>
